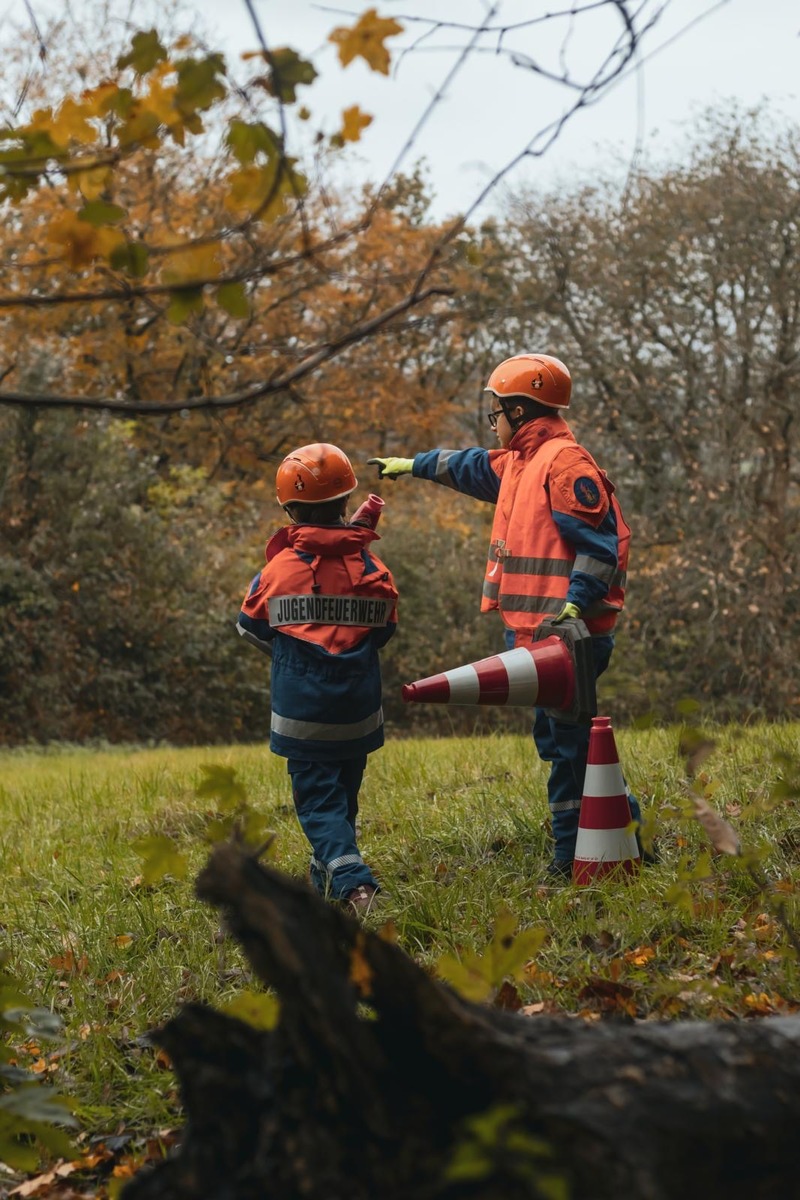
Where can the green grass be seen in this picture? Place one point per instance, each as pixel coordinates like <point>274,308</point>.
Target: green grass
<point>455,829</point>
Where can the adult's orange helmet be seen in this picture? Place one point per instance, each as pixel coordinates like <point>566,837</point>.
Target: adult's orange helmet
<point>313,474</point>
<point>538,377</point>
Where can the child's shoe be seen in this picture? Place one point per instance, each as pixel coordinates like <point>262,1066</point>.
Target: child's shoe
<point>362,899</point>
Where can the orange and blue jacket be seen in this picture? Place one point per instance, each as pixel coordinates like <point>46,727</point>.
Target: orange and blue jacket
<point>323,606</point>
<point>558,533</point>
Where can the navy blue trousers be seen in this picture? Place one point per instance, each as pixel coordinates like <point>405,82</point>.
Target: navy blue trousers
<point>565,746</point>
<point>326,801</point>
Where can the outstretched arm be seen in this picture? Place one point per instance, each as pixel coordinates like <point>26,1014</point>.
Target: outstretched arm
<point>474,472</point>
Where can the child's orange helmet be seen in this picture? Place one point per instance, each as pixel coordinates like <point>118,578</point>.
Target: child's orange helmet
<point>538,377</point>
<point>313,474</point>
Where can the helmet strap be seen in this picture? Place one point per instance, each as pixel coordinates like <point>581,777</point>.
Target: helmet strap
<point>517,422</point>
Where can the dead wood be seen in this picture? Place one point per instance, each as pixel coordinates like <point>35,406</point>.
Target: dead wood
<point>369,1086</point>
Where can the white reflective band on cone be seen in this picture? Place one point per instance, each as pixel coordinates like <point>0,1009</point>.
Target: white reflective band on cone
<point>604,779</point>
<point>523,678</point>
<point>464,686</point>
<point>605,845</point>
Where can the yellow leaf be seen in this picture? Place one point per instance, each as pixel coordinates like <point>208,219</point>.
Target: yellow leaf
<point>190,265</point>
<point>365,40</point>
<point>354,122</point>
<point>253,189</point>
<point>96,101</point>
<point>160,100</point>
<point>360,971</point>
<point>71,125</point>
<point>258,1009</point>
<point>141,128</point>
<point>92,183</point>
<point>81,242</point>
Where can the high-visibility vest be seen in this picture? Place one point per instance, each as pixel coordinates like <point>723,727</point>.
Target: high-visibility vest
<point>529,563</point>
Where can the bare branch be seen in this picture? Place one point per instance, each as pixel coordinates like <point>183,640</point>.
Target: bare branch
<point>279,382</point>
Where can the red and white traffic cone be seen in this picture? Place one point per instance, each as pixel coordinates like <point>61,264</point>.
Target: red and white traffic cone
<point>541,674</point>
<point>606,841</point>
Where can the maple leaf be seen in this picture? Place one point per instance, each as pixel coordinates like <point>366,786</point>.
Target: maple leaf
<point>254,189</point>
<point>146,51</point>
<point>289,70</point>
<point>354,122</point>
<point>92,183</point>
<point>365,40</point>
<point>221,783</point>
<point>191,265</point>
<point>477,977</point>
<point>70,124</point>
<point>232,297</point>
<point>80,241</point>
<point>161,857</point>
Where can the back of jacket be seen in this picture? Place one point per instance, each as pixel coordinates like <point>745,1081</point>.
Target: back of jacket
<point>324,604</point>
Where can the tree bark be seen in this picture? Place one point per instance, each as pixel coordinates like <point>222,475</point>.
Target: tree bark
<point>380,1083</point>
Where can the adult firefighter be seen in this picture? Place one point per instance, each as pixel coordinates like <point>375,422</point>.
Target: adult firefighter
<point>559,546</point>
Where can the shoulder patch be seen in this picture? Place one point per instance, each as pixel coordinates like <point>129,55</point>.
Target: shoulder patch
<point>586,492</point>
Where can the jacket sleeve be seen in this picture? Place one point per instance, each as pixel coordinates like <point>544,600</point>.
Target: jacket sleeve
<point>253,624</point>
<point>584,517</point>
<point>475,472</point>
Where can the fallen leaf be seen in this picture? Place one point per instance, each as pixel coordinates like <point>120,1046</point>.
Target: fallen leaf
<point>508,998</point>
<point>360,971</point>
<point>720,833</point>
<point>34,1187</point>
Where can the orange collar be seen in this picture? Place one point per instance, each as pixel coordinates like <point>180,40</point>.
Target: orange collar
<point>533,434</point>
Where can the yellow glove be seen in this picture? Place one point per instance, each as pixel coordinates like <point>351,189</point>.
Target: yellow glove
<point>570,612</point>
<point>390,468</point>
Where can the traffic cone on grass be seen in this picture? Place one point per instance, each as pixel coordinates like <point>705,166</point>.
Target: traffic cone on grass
<point>606,841</point>
<point>555,672</point>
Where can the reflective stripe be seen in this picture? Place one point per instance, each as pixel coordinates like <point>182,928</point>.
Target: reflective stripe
<point>346,860</point>
<point>531,604</point>
<point>442,473</point>
<point>518,565</point>
<point>465,686</point>
<point>316,609</point>
<point>604,779</point>
<point>565,806</point>
<point>253,640</point>
<point>605,845</point>
<point>317,732</point>
<point>523,677</point>
<point>593,566</point>
<point>491,590</point>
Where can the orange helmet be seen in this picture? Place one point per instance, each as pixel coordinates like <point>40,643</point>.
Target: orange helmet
<point>538,377</point>
<point>313,474</point>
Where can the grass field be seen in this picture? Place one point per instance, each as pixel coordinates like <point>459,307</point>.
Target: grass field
<point>456,830</point>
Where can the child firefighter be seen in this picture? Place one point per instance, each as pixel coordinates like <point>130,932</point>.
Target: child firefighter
<point>323,606</point>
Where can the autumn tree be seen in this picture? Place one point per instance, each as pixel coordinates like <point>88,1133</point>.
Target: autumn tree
<point>171,255</point>
<point>677,302</point>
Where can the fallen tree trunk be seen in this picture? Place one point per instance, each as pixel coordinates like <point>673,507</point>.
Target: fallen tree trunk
<point>379,1083</point>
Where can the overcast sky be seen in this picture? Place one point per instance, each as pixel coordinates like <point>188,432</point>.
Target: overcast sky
<point>742,50</point>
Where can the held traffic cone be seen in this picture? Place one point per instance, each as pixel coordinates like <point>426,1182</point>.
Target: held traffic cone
<point>554,673</point>
<point>605,840</point>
